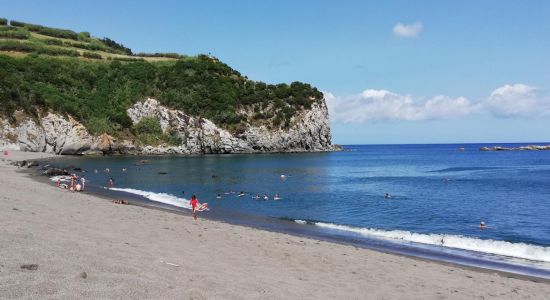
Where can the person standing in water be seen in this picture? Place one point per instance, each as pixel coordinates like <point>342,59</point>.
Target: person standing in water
<point>83,182</point>
<point>194,203</point>
<point>111,182</point>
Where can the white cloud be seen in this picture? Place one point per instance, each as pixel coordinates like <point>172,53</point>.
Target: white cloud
<point>517,100</point>
<point>385,105</point>
<point>407,30</point>
<point>508,101</point>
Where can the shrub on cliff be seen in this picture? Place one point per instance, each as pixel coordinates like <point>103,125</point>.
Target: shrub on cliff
<point>148,125</point>
<point>15,34</point>
<point>3,21</point>
<point>17,23</point>
<point>112,44</point>
<point>92,55</point>
<point>49,31</point>
<point>149,132</point>
<point>17,46</point>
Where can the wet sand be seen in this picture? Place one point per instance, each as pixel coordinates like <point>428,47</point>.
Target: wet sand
<point>80,246</point>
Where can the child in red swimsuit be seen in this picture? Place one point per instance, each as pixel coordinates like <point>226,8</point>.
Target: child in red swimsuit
<point>194,203</point>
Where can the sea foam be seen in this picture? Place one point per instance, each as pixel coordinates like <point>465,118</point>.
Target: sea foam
<point>158,197</point>
<point>517,250</point>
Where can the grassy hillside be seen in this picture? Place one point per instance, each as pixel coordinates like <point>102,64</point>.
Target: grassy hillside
<point>96,80</point>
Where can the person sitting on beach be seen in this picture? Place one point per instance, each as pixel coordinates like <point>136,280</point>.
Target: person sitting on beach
<point>194,204</point>
<point>119,201</point>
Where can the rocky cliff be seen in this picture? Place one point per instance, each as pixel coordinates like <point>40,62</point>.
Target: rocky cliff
<point>308,131</point>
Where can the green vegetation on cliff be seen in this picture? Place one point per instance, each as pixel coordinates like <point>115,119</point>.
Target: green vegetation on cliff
<point>68,75</point>
<point>149,132</point>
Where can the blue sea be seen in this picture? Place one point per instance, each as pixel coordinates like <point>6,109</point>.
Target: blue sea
<point>439,194</point>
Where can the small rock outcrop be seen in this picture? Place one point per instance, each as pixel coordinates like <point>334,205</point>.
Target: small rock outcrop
<point>308,131</point>
<point>522,148</point>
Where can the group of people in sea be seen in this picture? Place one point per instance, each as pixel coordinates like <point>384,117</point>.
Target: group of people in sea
<point>254,196</point>
<point>77,183</point>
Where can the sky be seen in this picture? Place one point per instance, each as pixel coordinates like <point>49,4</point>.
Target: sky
<point>391,71</point>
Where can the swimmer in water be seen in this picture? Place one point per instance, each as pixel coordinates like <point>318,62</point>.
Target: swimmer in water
<point>387,195</point>
<point>218,196</point>
<point>256,197</point>
<point>241,194</point>
<point>482,225</point>
<point>107,170</point>
<point>123,169</point>
<point>266,197</point>
<point>276,197</point>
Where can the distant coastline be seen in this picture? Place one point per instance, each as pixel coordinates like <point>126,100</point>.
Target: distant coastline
<point>521,148</point>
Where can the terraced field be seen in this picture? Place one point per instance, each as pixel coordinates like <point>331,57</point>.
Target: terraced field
<point>20,39</point>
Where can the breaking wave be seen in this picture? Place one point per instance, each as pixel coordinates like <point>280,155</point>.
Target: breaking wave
<point>157,197</point>
<point>517,250</point>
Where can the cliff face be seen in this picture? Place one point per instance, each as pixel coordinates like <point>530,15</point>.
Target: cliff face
<point>308,131</point>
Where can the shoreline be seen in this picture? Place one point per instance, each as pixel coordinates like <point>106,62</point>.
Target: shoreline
<point>325,253</point>
<point>456,256</point>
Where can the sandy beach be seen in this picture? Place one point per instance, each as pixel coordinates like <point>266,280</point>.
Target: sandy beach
<point>77,246</point>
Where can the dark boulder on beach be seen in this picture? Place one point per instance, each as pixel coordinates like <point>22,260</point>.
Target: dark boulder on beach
<point>30,267</point>
<point>55,172</point>
<point>31,164</point>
